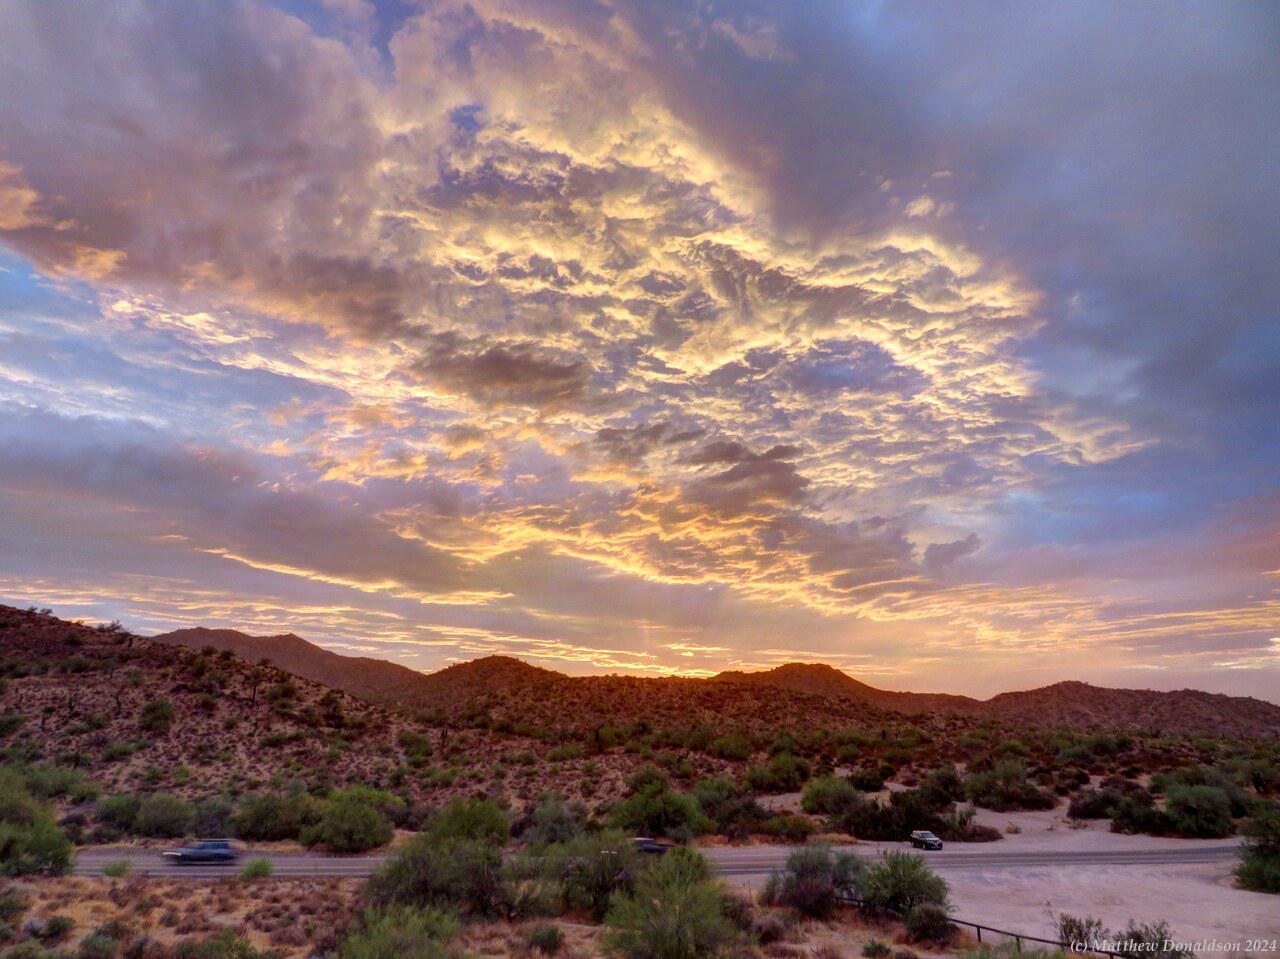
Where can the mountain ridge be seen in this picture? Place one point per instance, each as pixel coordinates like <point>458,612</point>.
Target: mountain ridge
<point>1066,703</point>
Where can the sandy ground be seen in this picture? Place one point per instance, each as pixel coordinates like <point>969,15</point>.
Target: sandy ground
<point>1198,900</point>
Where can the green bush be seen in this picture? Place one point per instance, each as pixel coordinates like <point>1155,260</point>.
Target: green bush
<point>928,922</point>
<point>224,945</point>
<point>654,809</point>
<point>1259,867</point>
<point>156,717</point>
<point>163,816</point>
<point>732,746</point>
<point>594,867</point>
<point>674,912</point>
<point>119,811</point>
<point>729,809</point>
<point>348,825</point>
<point>875,949</point>
<point>794,829</point>
<point>1005,787</point>
<point>813,881</point>
<point>829,796</point>
<point>785,772</point>
<point>437,870</point>
<point>403,932</point>
<point>1202,812</point>
<point>546,939</point>
<point>117,869</point>
<point>30,840</point>
<point>553,821</point>
<point>57,929</point>
<point>1094,804</point>
<point>899,882</point>
<point>480,819</point>
<point>1136,814</point>
<point>270,818</point>
<point>257,869</point>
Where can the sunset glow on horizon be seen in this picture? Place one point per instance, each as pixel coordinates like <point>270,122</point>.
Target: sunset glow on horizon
<point>939,344</point>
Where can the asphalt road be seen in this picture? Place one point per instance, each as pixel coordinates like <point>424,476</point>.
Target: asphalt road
<point>737,862</point>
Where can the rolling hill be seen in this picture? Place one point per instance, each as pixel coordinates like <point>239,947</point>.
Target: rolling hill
<point>518,691</point>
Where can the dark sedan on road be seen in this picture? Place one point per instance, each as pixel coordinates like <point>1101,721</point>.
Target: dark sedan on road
<point>207,851</point>
<point>923,839</point>
<point>653,847</point>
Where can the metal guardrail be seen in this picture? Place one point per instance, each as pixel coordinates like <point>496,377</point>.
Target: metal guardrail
<point>1017,937</point>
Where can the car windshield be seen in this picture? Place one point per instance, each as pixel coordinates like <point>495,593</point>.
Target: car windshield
<point>926,835</point>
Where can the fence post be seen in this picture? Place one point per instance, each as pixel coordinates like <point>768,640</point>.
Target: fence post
<point>979,928</point>
<point>1018,941</point>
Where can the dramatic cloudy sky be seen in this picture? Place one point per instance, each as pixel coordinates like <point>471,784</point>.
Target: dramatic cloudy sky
<point>938,342</point>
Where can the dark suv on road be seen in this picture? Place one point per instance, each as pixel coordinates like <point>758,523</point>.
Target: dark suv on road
<point>923,839</point>
<point>207,850</point>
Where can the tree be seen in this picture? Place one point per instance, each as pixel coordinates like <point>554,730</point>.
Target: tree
<point>1203,812</point>
<point>813,881</point>
<point>30,840</point>
<point>1259,867</point>
<point>349,825</point>
<point>593,868</point>
<point>899,882</point>
<point>674,912</point>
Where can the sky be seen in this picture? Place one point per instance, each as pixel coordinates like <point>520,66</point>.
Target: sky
<point>940,343</point>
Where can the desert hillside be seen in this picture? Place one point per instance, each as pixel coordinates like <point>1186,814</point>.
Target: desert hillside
<point>511,690</point>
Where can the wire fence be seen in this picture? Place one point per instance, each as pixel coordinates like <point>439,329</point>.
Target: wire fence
<point>979,928</point>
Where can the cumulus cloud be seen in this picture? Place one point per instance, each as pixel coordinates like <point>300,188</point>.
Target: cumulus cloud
<point>577,323</point>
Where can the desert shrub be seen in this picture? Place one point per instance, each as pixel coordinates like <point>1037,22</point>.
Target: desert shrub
<point>829,796</point>
<point>942,787</point>
<point>49,782</point>
<point>117,869</point>
<point>546,939</point>
<point>1094,803</point>
<point>97,945</point>
<point>271,817</point>
<point>1146,940</point>
<point>1238,797</point>
<point>403,932</point>
<point>434,869</point>
<point>257,869</point>
<point>119,811</point>
<point>592,868</point>
<point>1259,867</point>
<point>928,922</point>
<point>1136,814</point>
<point>655,809</point>
<point>10,723</point>
<point>553,821</point>
<point>731,746</point>
<point>868,780</point>
<point>1080,930</point>
<point>57,929</point>
<point>959,826</point>
<point>482,820</point>
<point>1005,787</point>
<point>794,829</point>
<point>906,810</point>
<point>347,824</point>
<point>730,810</point>
<point>785,772</point>
<point>813,880</point>
<point>225,945</point>
<point>875,949</point>
<point>156,717</point>
<point>1203,812</point>
<point>674,912</point>
<point>164,816</point>
<point>213,817</point>
<point>899,882</point>
<point>30,840</point>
